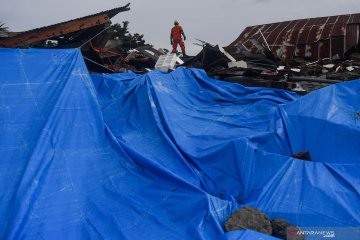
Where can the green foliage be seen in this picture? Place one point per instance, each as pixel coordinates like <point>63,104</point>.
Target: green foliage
<point>129,41</point>
<point>3,28</point>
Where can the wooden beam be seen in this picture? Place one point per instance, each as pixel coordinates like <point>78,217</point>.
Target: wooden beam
<point>57,30</point>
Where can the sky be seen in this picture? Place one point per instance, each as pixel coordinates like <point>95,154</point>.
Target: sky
<point>215,21</point>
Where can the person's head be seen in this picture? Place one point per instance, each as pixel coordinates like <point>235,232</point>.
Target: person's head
<point>176,22</point>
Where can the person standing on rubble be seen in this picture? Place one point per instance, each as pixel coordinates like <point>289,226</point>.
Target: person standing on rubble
<point>175,37</point>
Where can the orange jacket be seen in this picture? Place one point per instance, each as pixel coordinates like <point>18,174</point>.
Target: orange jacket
<point>176,32</point>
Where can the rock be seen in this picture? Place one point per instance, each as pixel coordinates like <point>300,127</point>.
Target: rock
<point>249,218</point>
<point>279,227</point>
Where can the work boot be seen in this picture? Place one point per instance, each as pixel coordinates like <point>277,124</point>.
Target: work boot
<point>184,54</point>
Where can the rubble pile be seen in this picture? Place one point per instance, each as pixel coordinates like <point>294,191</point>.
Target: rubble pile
<point>138,60</point>
<point>263,69</point>
<point>98,40</point>
<point>299,55</point>
<point>306,55</point>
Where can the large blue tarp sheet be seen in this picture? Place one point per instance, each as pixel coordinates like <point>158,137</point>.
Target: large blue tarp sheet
<point>166,156</point>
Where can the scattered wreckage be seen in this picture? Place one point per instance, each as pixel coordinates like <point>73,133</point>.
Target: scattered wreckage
<point>262,69</point>
<point>299,55</point>
<point>94,35</point>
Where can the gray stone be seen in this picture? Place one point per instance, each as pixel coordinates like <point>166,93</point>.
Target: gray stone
<point>249,218</point>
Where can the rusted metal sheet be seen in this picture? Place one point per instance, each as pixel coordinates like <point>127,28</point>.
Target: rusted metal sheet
<point>326,33</point>
<point>54,31</point>
<point>352,33</point>
<point>355,18</point>
<point>61,29</point>
<point>313,38</point>
<point>324,48</point>
<point>337,47</point>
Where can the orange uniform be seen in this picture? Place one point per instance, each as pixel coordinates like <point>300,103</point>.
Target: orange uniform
<point>176,39</point>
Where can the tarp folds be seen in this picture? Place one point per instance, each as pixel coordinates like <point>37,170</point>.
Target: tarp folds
<point>166,156</point>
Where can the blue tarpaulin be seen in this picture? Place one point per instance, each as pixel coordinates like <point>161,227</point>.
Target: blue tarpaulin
<point>167,156</point>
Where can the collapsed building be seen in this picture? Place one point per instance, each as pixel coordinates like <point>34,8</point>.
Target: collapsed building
<point>300,55</point>
<point>93,35</point>
<point>67,34</point>
<point>333,37</point>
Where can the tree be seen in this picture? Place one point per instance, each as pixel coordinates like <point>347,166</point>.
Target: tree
<point>3,28</point>
<point>129,41</point>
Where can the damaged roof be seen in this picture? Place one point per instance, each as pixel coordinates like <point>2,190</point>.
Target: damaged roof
<point>59,29</point>
<point>315,38</point>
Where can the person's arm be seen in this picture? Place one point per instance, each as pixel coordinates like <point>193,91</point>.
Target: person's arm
<point>171,39</point>
<point>183,34</point>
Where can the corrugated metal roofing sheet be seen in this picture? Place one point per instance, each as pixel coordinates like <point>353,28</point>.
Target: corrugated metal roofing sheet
<point>110,13</point>
<point>306,37</point>
<point>62,28</point>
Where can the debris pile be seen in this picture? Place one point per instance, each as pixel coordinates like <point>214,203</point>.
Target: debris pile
<point>264,69</point>
<point>300,55</point>
<point>253,219</point>
<point>138,60</point>
<point>102,50</point>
